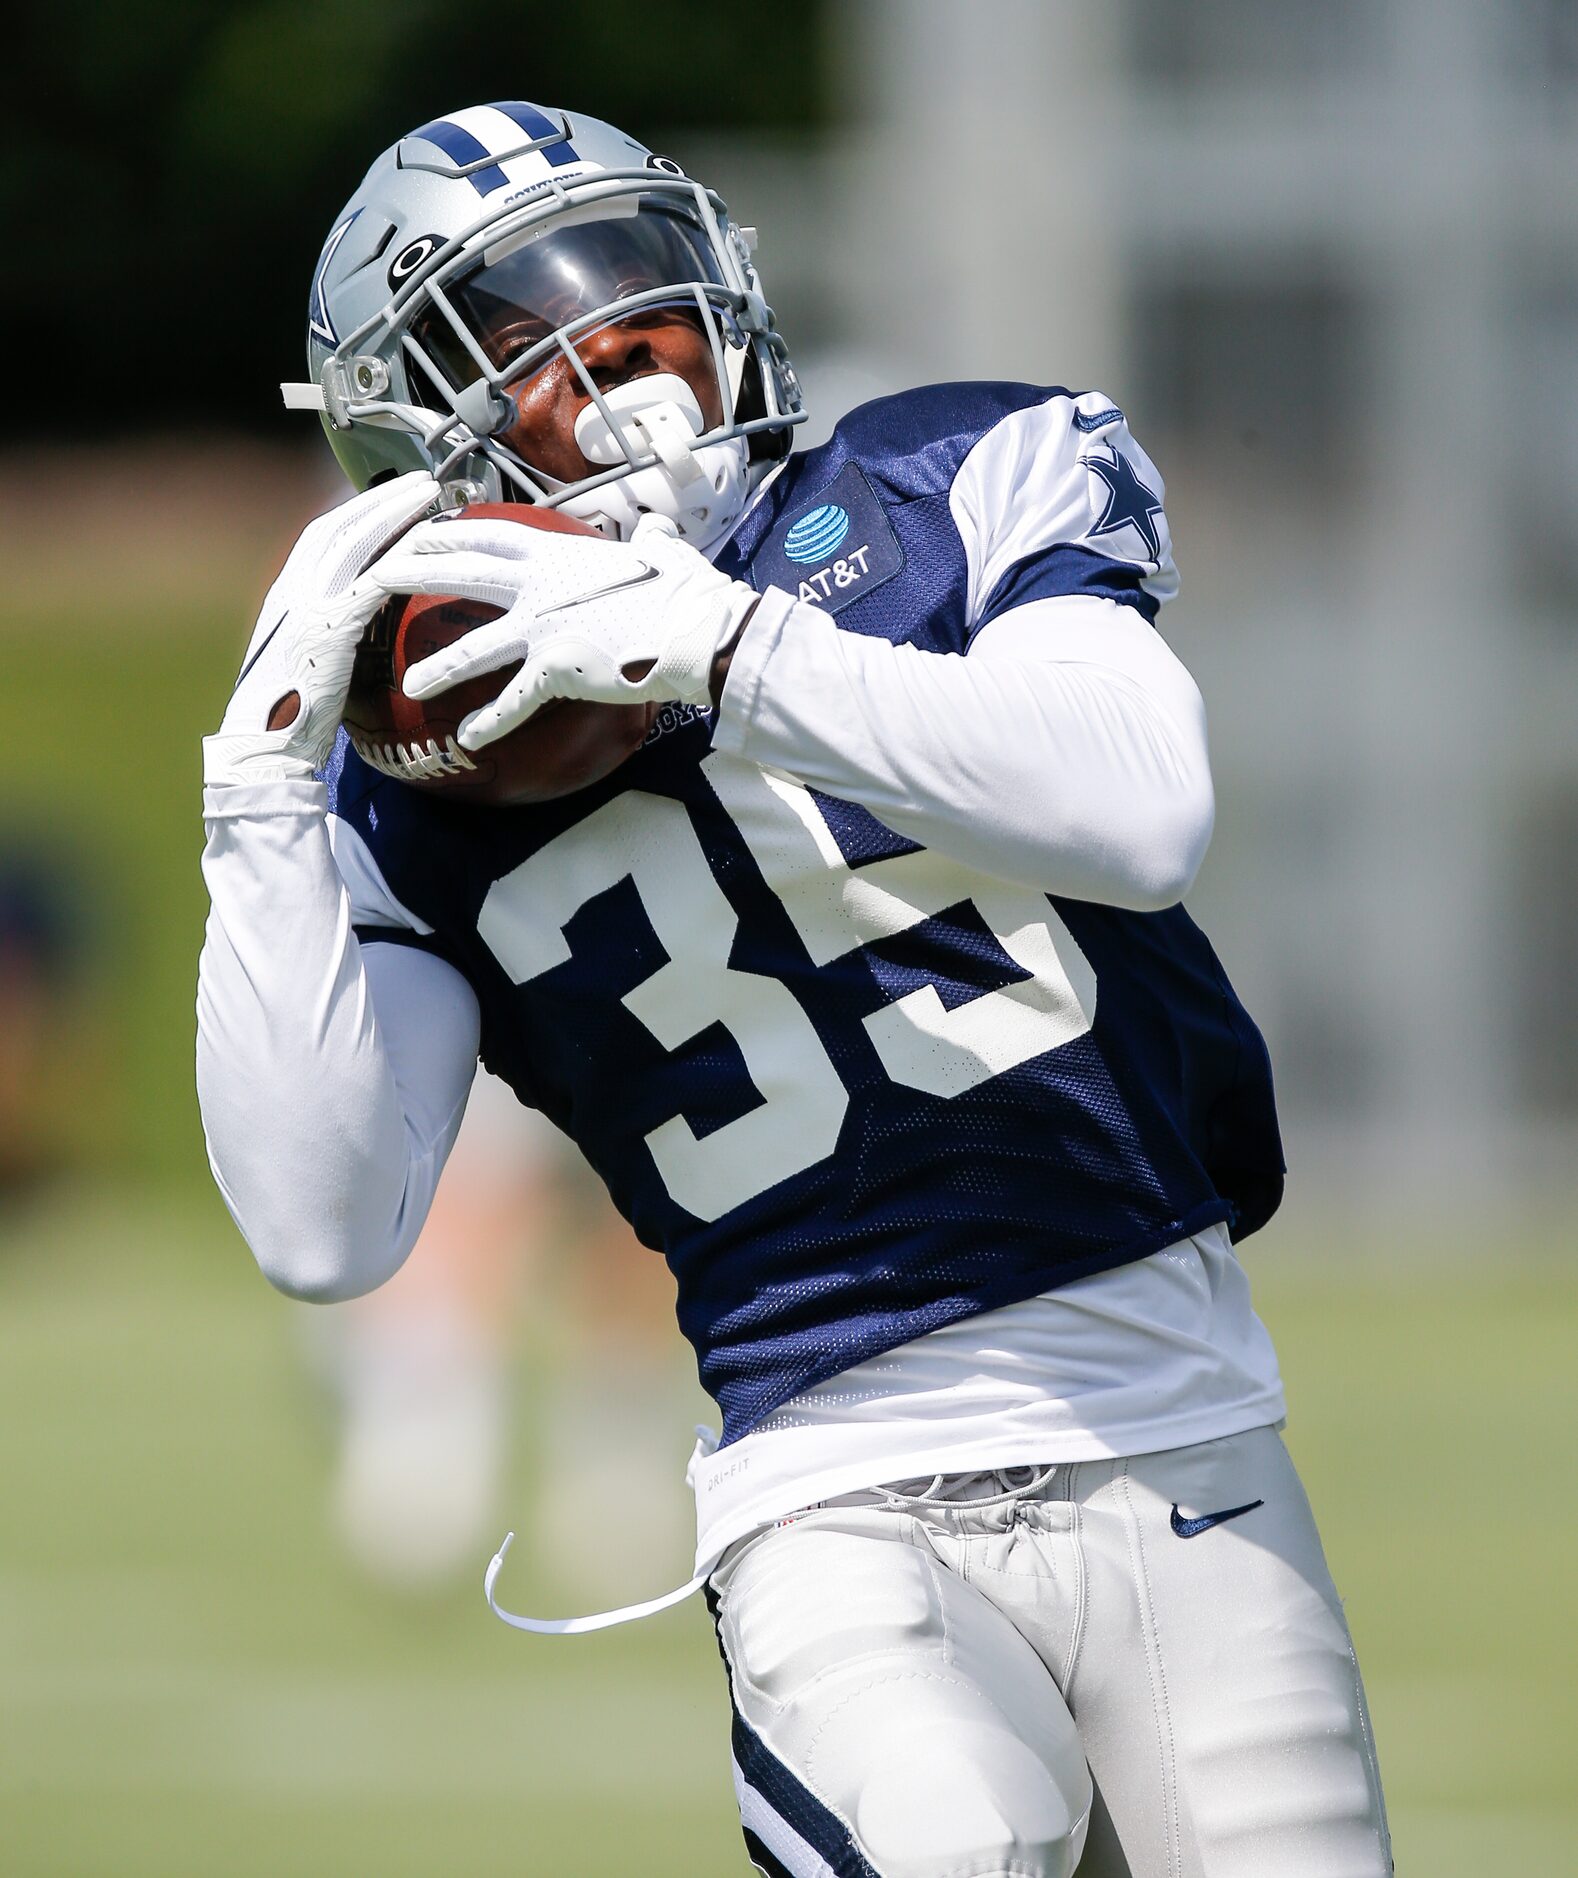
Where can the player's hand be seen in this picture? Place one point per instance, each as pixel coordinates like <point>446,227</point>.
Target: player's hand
<point>298,666</point>
<point>614,622</point>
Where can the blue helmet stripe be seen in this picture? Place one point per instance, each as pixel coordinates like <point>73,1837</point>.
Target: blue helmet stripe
<point>536,124</point>
<point>464,148</point>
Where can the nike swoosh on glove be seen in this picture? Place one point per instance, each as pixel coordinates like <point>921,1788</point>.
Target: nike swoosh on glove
<point>306,638</point>
<point>612,622</point>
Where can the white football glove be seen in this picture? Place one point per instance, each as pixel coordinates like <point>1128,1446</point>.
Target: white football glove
<point>610,621</point>
<point>306,637</point>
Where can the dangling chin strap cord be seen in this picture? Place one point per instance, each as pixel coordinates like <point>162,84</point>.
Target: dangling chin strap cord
<point>578,1626</point>
<point>599,1620</point>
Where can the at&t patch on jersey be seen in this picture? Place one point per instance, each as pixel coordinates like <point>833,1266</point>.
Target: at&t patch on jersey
<point>832,549</point>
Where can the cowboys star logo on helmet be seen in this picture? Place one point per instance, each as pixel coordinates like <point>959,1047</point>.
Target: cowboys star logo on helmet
<point>486,245</point>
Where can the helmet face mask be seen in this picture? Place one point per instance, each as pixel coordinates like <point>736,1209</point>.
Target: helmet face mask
<point>578,266</point>
<point>443,291</point>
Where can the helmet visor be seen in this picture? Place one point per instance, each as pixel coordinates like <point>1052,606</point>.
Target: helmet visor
<point>566,271</point>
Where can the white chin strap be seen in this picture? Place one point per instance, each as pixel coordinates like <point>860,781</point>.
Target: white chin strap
<point>700,489</point>
<point>706,1446</point>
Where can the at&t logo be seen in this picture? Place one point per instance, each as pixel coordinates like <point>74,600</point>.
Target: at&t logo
<point>816,534</point>
<point>813,538</point>
<point>843,572</point>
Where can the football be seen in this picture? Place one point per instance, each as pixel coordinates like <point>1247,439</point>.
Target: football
<point>566,744</point>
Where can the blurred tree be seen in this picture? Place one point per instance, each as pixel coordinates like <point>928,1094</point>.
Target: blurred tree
<point>172,168</point>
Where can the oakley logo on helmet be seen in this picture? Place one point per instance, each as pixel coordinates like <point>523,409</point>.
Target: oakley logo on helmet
<point>666,164</point>
<point>411,257</point>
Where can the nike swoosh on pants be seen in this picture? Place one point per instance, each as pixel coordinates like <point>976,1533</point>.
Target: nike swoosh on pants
<point>1192,1528</point>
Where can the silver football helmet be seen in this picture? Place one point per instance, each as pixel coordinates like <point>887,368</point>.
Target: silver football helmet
<point>482,248</point>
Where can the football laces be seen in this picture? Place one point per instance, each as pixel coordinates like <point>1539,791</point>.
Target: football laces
<point>410,762</point>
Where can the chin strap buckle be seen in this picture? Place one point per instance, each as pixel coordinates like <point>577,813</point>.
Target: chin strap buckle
<point>343,382</point>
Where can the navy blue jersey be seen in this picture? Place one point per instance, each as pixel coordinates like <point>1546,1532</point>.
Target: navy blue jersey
<point>851,1089</point>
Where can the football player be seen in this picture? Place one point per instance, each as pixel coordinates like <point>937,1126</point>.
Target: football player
<point>864,985</point>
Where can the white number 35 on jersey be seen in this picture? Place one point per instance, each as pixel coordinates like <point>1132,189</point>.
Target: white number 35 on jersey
<point>650,840</point>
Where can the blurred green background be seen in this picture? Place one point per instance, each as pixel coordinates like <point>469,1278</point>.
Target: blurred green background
<point>1315,245</point>
<point>196,1682</point>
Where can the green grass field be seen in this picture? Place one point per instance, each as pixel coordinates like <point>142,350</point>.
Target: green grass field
<point>194,1683</point>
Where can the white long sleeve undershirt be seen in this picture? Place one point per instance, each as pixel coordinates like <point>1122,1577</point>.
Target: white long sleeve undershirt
<point>1067,751</point>
<point>331,1076</point>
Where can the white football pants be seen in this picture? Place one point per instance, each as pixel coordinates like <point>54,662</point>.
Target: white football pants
<point>1087,1670</point>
